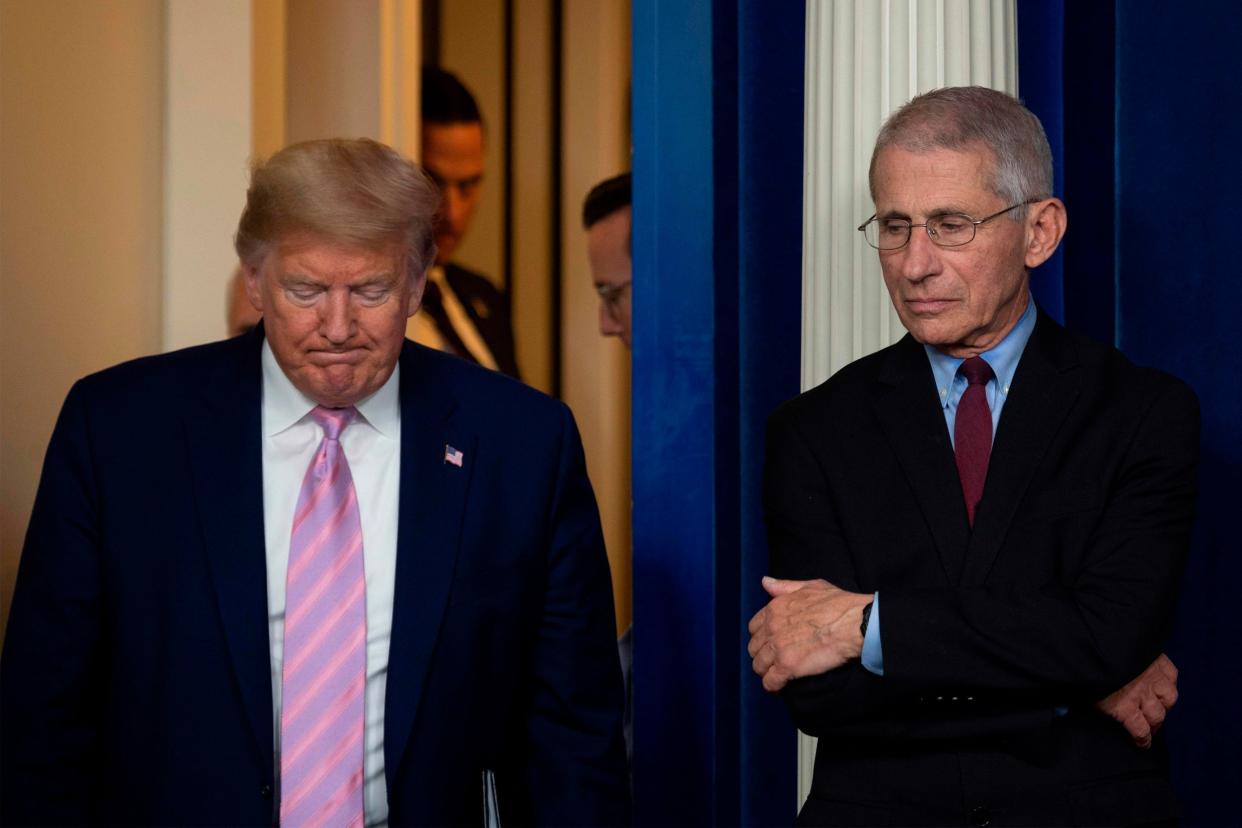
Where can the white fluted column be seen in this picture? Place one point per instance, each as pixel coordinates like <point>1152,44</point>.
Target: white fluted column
<point>864,59</point>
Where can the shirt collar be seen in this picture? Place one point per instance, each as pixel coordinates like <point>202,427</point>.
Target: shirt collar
<point>1003,358</point>
<point>285,406</point>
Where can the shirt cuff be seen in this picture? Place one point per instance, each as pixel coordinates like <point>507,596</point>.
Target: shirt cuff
<point>872,651</point>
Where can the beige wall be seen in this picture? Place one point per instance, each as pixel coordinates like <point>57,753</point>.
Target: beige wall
<point>81,91</point>
<point>207,139</point>
<point>533,166</point>
<point>596,380</point>
<point>268,42</point>
<point>332,62</point>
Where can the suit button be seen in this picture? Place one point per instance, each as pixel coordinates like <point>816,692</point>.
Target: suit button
<point>980,816</point>
<point>265,791</point>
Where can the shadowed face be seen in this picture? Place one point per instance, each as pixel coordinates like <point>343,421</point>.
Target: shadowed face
<point>962,300</point>
<point>335,316</point>
<point>453,157</point>
<point>608,249</point>
<point>241,316</point>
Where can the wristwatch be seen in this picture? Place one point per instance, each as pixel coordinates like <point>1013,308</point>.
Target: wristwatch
<point>866,619</point>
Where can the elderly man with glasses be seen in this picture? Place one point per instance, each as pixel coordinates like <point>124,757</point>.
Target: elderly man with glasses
<point>979,531</point>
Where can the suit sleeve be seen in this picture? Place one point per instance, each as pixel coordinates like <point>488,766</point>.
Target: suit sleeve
<point>50,684</point>
<point>806,542</point>
<point>1013,651</point>
<point>575,769</point>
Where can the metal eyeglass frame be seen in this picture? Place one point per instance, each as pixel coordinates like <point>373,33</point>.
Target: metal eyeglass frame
<point>611,294</point>
<point>931,232</point>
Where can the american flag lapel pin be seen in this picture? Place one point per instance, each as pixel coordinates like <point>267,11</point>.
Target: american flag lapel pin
<point>453,456</point>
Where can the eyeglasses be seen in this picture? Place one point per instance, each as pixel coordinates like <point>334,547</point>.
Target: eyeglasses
<point>610,295</point>
<point>949,230</point>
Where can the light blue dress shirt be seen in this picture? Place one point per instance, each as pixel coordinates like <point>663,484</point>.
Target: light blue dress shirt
<point>951,385</point>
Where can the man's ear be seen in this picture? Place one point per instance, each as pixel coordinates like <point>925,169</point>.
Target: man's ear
<point>416,293</point>
<point>1045,227</point>
<point>254,292</point>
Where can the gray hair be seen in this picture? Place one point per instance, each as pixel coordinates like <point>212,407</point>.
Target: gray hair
<point>355,192</point>
<point>957,117</point>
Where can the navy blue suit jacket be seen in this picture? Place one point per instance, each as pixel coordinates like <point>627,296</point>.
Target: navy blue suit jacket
<point>135,682</point>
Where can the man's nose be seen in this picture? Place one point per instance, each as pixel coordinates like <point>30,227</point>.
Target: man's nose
<point>608,324</point>
<point>336,320</point>
<point>454,206</point>
<point>920,257</point>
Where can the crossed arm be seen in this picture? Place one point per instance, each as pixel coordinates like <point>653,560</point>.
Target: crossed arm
<point>1013,649</point>
<point>813,627</point>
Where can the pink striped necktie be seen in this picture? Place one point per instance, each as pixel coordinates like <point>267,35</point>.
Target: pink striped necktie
<point>972,433</point>
<point>321,718</point>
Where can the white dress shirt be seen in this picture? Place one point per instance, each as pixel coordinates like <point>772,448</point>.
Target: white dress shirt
<point>372,445</point>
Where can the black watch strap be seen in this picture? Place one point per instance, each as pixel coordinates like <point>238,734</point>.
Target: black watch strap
<point>866,619</point>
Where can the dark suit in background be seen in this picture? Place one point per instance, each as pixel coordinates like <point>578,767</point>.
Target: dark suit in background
<point>1062,592</point>
<point>488,311</point>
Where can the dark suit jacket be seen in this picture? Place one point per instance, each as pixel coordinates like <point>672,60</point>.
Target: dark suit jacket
<point>135,684</point>
<point>488,309</point>
<point>1062,592</point>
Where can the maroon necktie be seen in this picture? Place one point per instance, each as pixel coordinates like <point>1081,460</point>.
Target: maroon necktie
<point>972,433</point>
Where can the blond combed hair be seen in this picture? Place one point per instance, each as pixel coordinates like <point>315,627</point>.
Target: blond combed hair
<point>962,117</point>
<point>352,192</point>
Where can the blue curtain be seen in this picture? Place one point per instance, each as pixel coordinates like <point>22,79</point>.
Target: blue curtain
<point>717,295</point>
<point>1141,101</point>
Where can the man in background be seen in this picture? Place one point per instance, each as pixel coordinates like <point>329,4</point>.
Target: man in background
<point>463,312</point>
<point>241,316</point>
<point>606,216</point>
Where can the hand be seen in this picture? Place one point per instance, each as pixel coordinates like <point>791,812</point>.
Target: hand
<point>808,628</point>
<point>1140,705</point>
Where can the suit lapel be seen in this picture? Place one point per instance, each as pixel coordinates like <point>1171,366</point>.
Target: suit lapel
<point>432,502</point>
<point>913,422</point>
<point>226,460</point>
<point>1044,389</point>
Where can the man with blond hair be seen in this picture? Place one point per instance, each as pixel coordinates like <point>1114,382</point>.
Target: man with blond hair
<point>313,575</point>
<point>979,530</point>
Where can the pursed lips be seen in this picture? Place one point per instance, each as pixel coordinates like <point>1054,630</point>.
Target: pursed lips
<point>346,355</point>
<point>929,305</point>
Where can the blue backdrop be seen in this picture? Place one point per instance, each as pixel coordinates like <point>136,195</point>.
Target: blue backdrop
<point>1141,100</point>
<point>717,286</point>
<point>1140,104</point>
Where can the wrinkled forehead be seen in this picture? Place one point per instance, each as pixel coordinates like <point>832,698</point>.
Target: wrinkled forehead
<point>960,170</point>
<point>316,254</point>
